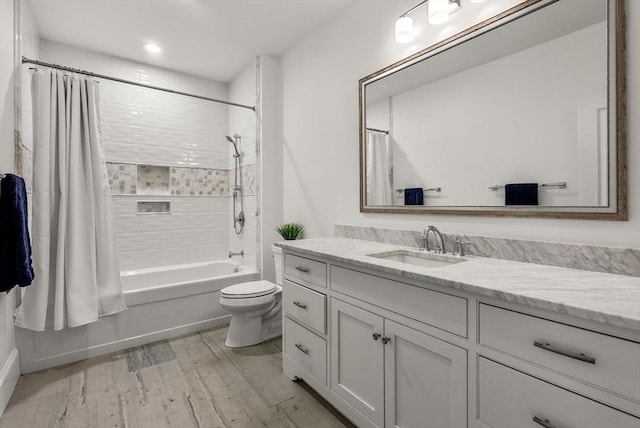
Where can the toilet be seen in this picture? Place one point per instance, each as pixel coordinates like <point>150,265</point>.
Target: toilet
<point>256,308</point>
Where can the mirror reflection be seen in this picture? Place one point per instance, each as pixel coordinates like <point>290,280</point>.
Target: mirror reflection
<point>517,116</point>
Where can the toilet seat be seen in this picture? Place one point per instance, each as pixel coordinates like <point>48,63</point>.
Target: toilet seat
<point>247,290</point>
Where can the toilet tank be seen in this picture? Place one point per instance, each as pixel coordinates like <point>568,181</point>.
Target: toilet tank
<point>277,260</point>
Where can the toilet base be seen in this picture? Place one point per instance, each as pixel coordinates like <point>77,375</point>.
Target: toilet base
<point>248,329</point>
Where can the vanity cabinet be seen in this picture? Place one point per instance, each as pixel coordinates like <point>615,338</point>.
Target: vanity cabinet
<point>388,351</point>
<point>380,373</point>
<point>393,374</point>
<point>304,308</point>
<point>357,359</point>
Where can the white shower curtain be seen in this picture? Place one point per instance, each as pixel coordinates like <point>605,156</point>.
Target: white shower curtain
<point>378,169</point>
<point>74,250</point>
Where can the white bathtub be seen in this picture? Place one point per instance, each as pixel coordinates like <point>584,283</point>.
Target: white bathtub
<point>162,303</point>
<point>169,282</point>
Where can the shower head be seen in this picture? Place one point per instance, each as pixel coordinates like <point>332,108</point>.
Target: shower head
<point>235,145</point>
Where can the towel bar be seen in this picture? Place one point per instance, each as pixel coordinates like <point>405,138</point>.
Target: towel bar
<point>430,189</point>
<point>560,185</point>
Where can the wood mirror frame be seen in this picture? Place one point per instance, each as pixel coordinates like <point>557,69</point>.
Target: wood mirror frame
<point>617,208</point>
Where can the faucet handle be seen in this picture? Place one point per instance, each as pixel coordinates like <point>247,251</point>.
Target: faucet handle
<point>458,249</point>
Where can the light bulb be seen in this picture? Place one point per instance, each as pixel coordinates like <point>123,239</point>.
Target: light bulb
<point>153,48</point>
<point>404,29</point>
<point>439,10</point>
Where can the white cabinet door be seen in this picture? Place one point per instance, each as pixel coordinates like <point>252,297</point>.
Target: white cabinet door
<point>425,380</point>
<point>357,359</point>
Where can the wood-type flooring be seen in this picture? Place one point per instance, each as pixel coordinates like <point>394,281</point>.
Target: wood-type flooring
<point>189,381</point>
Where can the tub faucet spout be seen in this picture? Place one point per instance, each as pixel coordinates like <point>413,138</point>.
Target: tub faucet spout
<point>239,253</point>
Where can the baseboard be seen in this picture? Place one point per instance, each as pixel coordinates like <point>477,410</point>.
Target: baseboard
<point>32,364</point>
<point>9,376</point>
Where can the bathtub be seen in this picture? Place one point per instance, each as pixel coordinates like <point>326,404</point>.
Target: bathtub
<point>162,303</point>
<point>169,282</point>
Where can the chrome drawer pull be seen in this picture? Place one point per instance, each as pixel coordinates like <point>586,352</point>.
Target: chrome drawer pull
<point>556,350</point>
<point>376,336</point>
<point>302,269</point>
<point>302,349</point>
<point>544,422</point>
<point>386,340</point>
<point>300,305</point>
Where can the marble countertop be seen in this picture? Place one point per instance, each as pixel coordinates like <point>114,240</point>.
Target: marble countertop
<point>606,298</point>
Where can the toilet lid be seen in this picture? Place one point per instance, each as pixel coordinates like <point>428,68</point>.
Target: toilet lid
<point>249,289</point>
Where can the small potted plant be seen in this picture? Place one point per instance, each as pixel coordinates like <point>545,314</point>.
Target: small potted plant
<point>290,231</point>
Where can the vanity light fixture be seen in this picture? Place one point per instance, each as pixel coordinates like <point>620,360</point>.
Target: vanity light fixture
<point>439,11</point>
<point>152,47</point>
<point>404,29</point>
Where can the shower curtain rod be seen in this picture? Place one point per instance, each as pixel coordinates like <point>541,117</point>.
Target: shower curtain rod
<point>26,60</point>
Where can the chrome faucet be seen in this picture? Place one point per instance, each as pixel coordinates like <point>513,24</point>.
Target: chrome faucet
<point>458,249</point>
<point>440,249</point>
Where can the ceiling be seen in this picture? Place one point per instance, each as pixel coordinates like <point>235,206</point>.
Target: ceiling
<point>215,39</point>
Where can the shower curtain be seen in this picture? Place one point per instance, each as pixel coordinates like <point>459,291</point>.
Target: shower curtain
<point>74,250</point>
<point>379,170</point>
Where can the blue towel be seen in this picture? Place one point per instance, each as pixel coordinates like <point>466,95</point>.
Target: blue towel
<point>414,196</point>
<point>521,194</point>
<point>15,246</point>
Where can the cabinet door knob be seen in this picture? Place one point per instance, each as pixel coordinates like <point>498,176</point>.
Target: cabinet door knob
<point>302,269</point>
<point>556,350</point>
<point>386,340</point>
<point>544,422</point>
<point>376,336</point>
<point>300,305</point>
<point>302,349</point>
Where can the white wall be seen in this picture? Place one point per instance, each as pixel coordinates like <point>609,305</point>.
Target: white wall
<point>270,113</point>
<point>8,353</point>
<point>479,122</point>
<point>321,178</point>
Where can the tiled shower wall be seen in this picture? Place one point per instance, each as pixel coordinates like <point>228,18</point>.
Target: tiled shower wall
<point>165,150</point>
<point>168,149</point>
<point>243,123</point>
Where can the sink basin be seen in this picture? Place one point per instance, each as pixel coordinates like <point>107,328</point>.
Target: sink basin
<point>419,258</point>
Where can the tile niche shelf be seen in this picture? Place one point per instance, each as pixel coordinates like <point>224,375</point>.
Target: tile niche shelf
<point>153,180</point>
<point>153,207</point>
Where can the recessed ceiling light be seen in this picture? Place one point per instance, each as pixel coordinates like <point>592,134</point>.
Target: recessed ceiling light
<point>152,47</point>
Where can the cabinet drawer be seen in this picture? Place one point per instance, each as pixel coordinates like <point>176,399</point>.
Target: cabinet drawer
<point>440,310</point>
<point>307,349</point>
<point>305,271</point>
<point>509,398</point>
<point>305,305</point>
<point>612,363</point>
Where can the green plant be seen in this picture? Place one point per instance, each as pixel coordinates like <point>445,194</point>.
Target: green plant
<point>290,231</point>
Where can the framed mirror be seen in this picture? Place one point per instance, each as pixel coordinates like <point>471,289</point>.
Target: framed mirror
<point>521,115</point>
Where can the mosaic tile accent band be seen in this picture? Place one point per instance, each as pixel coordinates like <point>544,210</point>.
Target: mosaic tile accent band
<point>133,179</point>
<point>622,261</point>
<point>248,174</point>
<point>122,178</point>
<point>199,182</point>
